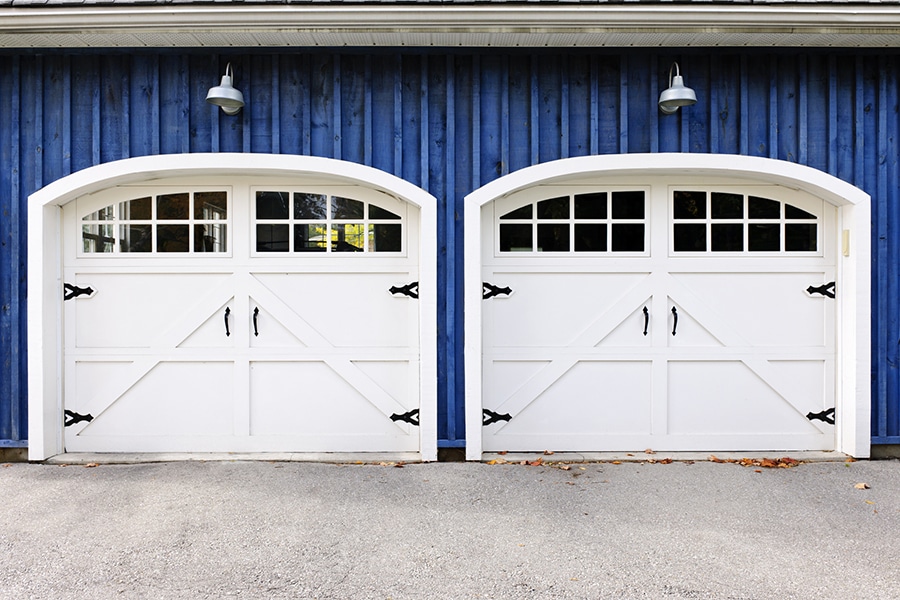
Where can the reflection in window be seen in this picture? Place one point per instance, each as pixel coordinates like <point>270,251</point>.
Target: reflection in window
<point>597,221</point>
<point>739,223</point>
<point>301,222</point>
<point>185,222</point>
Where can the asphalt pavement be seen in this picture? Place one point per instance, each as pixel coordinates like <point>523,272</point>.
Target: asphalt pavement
<point>268,529</point>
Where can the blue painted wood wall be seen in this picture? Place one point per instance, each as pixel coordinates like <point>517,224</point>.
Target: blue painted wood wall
<point>450,122</point>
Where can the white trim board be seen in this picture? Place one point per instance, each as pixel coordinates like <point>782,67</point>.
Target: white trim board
<point>853,394</point>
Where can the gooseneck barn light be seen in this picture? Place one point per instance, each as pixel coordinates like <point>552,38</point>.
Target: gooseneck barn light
<point>225,95</point>
<point>677,94</point>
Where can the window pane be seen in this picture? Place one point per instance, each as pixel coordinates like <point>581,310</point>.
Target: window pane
<point>627,237</point>
<point>310,206</point>
<point>345,208</point>
<point>554,208</point>
<point>173,206</point>
<point>727,238</point>
<point>763,208</point>
<point>350,237</point>
<point>690,238</point>
<point>376,212</point>
<point>590,206</point>
<point>523,212</point>
<point>310,238</point>
<point>210,206</point>
<point>627,205</point>
<point>210,238</point>
<point>172,238</point>
<point>386,238</point>
<point>726,206</point>
<point>792,212</point>
<point>272,205</point>
<point>516,238</point>
<point>104,214</point>
<point>97,238</point>
<point>139,209</point>
<point>590,237</point>
<point>135,238</point>
<point>800,237</point>
<point>763,237</point>
<point>689,205</point>
<point>553,238</point>
<point>272,238</point>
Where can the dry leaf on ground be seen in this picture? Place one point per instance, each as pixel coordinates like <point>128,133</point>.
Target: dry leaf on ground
<point>861,486</point>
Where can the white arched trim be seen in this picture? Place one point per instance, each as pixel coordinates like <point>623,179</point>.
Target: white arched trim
<point>853,408</point>
<point>45,269</point>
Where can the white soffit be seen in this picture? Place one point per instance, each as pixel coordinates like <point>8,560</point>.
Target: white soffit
<point>873,25</point>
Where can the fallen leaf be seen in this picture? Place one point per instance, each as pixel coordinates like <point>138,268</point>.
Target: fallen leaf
<point>548,452</point>
<point>869,502</point>
<point>649,451</point>
<point>399,465</point>
<point>502,452</point>
<point>564,467</point>
<point>861,486</point>
<point>91,465</point>
<point>665,461</point>
<point>715,459</point>
<point>757,470</point>
<point>617,462</point>
<point>497,461</point>
<point>629,455</point>
<point>7,465</point>
<point>536,463</point>
<point>850,459</point>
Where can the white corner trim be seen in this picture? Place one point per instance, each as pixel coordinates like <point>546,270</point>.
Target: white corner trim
<point>853,392</point>
<point>45,284</point>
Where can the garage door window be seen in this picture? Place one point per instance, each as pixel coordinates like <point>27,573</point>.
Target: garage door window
<point>184,223</point>
<point>301,222</point>
<point>729,222</point>
<point>598,222</point>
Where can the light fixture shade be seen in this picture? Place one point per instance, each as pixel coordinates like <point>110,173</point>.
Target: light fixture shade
<point>225,95</point>
<point>677,94</point>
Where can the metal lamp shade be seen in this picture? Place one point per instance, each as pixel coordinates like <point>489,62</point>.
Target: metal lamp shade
<point>677,94</point>
<point>225,95</point>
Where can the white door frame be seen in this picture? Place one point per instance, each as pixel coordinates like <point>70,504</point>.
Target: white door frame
<point>853,393</point>
<point>45,297</point>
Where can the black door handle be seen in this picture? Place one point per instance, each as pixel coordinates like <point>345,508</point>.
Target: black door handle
<point>674,325</point>
<point>255,316</point>
<point>646,319</point>
<point>227,312</point>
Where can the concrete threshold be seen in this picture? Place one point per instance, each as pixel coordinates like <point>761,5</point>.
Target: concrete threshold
<point>607,457</point>
<point>129,458</point>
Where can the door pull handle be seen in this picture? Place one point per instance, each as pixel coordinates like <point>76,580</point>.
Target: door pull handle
<point>646,319</point>
<point>675,324</point>
<point>255,317</point>
<point>227,312</point>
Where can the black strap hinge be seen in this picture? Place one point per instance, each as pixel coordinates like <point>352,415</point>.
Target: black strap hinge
<point>489,417</point>
<point>410,289</point>
<point>73,291</point>
<point>73,417</point>
<point>826,415</point>
<point>411,417</point>
<point>828,290</point>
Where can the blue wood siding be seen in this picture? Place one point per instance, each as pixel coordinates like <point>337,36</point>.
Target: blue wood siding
<point>451,122</point>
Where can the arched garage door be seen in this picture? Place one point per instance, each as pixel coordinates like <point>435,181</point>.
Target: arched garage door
<point>255,312</point>
<point>664,311</point>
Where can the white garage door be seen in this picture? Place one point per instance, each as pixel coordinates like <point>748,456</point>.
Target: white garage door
<point>667,315</point>
<point>246,316</point>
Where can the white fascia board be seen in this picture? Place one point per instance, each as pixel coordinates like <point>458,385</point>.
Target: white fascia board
<point>333,23</point>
